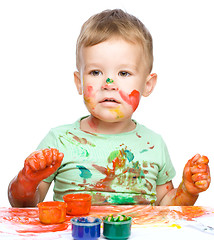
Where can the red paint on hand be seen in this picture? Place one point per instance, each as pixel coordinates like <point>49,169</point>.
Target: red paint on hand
<point>196,175</point>
<point>41,164</point>
<point>38,166</point>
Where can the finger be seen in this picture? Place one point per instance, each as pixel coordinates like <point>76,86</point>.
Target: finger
<point>195,159</point>
<point>203,184</point>
<point>57,164</point>
<point>48,156</point>
<point>55,153</point>
<point>33,163</point>
<point>202,160</point>
<point>60,157</point>
<point>200,176</point>
<point>27,169</point>
<point>199,168</point>
<point>41,160</point>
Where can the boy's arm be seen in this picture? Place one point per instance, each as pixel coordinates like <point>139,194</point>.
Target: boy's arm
<point>43,189</point>
<point>196,179</point>
<point>25,189</point>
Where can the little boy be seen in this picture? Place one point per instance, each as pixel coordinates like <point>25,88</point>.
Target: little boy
<point>108,154</point>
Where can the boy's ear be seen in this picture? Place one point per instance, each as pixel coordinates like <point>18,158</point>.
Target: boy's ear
<point>78,82</point>
<point>150,83</point>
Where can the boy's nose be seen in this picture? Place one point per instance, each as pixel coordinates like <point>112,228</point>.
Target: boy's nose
<point>109,84</point>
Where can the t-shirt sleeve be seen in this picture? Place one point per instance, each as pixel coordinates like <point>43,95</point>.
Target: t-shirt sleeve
<point>166,171</point>
<point>49,141</point>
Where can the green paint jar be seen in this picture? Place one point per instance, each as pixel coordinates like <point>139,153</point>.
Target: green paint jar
<point>117,230</point>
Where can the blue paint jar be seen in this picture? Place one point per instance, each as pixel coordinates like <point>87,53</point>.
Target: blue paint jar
<point>85,228</point>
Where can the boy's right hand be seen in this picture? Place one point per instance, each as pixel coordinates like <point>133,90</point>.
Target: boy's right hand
<point>41,164</point>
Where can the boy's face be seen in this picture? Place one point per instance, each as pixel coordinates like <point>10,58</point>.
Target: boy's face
<point>113,78</point>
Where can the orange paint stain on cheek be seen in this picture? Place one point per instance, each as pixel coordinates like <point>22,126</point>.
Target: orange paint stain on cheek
<point>132,99</point>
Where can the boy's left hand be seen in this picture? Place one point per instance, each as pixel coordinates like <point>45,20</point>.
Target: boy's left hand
<point>196,175</point>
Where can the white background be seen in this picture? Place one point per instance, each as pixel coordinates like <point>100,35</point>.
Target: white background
<point>37,61</point>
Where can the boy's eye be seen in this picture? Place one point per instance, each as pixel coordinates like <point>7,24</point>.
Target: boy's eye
<point>124,74</point>
<point>95,73</point>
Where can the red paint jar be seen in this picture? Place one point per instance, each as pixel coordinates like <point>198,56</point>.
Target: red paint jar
<point>52,212</point>
<point>78,204</point>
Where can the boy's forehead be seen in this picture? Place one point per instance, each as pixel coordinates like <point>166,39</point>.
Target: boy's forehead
<point>111,47</point>
<point>94,56</point>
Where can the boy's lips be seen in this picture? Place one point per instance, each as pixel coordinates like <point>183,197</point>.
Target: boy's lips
<point>109,100</point>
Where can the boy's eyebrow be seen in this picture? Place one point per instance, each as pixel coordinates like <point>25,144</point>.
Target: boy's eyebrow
<point>129,66</point>
<point>92,65</point>
<point>123,66</point>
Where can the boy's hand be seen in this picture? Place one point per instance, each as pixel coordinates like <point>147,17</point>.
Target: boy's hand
<point>41,164</point>
<point>196,175</point>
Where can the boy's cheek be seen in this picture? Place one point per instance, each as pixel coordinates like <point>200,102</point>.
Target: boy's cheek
<point>88,91</point>
<point>89,95</point>
<point>132,98</point>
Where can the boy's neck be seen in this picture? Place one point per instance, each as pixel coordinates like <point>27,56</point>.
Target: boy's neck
<point>95,125</point>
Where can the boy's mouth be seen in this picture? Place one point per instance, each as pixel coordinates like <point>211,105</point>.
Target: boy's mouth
<point>109,100</point>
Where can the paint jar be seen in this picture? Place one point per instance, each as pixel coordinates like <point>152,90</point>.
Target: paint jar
<point>85,228</point>
<point>117,230</point>
<point>78,204</point>
<point>52,212</point>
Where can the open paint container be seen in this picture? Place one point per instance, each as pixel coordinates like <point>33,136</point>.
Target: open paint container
<point>85,228</point>
<point>117,227</point>
<point>78,204</point>
<point>52,212</point>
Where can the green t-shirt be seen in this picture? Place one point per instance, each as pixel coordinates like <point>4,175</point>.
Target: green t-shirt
<point>114,168</point>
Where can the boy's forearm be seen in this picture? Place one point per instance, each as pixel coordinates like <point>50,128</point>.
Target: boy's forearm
<point>179,197</point>
<point>22,192</point>
<point>23,189</point>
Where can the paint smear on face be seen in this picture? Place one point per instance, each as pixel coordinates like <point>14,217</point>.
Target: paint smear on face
<point>118,112</point>
<point>108,80</point>
<point>132,99</point>
<point>88,97</point>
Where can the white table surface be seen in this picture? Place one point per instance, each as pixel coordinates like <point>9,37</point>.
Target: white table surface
<point>169,226</point>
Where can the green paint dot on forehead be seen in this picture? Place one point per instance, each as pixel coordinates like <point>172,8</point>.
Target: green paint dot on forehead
<point>108,80</point>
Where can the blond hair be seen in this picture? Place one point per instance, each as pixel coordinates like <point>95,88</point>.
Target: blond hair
<point>110,23</point>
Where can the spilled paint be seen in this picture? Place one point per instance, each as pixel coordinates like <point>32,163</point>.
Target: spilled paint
<point>83,141</point>
<point>118,171</point>
<point>122,170</point>
<point>24,222</point>
<point>69,137</point>
<point>175,225</point>
<point>85,173</point>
